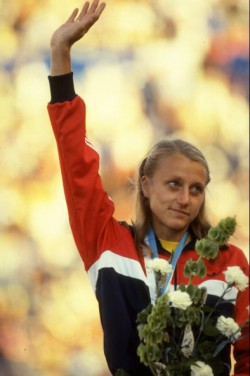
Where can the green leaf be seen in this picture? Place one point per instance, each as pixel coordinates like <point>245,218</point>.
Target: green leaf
<point>121,372</point>
<point>193,291</point>
<point>190,268</point>
<point>207,248</point>
<point>182,287</point>
<point>205,350</point>
<point>210,330</point>
<point>222,232</point>
<point>202,269</point>
<point>143,315</point>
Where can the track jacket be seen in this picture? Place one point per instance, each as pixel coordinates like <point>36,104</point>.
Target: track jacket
<point>117,273</point>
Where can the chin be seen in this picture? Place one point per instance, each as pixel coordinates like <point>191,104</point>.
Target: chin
<point>178,227</point>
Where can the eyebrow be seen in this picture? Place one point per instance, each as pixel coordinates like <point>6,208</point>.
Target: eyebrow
<point>178,178</point>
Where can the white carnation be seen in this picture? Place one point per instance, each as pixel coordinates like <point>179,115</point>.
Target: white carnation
<point>160,265</point>
<point>235,276</point>
<point>201,369</point>
<point>228,327</point>
<point>180,299</point>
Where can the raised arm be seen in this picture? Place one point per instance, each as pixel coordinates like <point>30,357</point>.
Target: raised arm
<point>76,26</point>
<point>90,209</point>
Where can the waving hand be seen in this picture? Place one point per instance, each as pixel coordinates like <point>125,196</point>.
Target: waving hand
<point>76,26</point>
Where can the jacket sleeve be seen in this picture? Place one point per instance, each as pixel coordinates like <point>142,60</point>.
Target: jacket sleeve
<point>241,315</point>
<point>89,207</point>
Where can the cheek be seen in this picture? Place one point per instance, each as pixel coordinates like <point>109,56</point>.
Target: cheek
<point>159,195</point>
<point>197,206</point>
<point>159,201</point>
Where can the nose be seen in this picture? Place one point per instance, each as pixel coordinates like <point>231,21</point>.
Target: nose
<point>183,196</point>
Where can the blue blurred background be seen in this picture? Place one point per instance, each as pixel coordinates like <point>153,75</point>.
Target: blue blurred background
<point>149,69</point>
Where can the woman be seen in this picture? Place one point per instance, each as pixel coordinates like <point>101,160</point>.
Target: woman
<point>170,202</point>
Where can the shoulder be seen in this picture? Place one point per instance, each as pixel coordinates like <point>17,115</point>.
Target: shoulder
<point>233,250</point>
<point>236,255</point>
<point>128,227</point>
<point>228,256</point>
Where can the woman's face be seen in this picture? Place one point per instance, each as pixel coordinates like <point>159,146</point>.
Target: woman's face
<point>176,193</point>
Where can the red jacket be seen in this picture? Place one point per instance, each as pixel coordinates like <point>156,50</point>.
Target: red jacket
<point>116,271</point>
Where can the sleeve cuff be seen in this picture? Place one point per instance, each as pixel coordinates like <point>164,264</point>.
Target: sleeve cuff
<point>62,88</point>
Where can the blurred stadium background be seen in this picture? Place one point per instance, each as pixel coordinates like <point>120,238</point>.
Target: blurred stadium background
<point>149,69</point>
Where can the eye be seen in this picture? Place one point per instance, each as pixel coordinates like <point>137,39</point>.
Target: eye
<point>174,184</point>
<point>197,189</point>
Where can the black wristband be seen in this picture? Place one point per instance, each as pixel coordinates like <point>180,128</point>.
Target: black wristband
<point>62,88</point>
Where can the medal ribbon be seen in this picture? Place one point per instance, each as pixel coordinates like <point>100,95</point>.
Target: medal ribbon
<point>152,244</point>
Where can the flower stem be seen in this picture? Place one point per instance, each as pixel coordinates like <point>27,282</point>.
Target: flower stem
<point>152,370</point>
<point>209,315</point>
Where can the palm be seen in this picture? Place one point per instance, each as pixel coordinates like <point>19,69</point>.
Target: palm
<point>74,28</point>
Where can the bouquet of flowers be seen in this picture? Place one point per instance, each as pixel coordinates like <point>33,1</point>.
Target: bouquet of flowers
<point>180,334</point>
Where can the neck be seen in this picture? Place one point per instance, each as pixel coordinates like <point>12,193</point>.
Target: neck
<point>164,232</point>
<point>169,234</point>
<point>152,243</point>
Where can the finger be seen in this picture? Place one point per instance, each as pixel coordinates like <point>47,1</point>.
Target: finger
<point>94,14</point>
<point>93,6</point>
<point>73,15</point>
<point>84,10</point>
<point>100,9</point>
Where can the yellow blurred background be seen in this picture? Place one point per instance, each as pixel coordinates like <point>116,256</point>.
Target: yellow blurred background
<point>149,69</point>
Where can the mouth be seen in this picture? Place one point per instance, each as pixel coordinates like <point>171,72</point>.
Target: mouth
<point>180,212</point>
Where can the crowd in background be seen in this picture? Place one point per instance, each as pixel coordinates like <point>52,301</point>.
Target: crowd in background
<point>149,69</point>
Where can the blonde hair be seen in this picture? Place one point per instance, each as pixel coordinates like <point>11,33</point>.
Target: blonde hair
<point>148,166</point>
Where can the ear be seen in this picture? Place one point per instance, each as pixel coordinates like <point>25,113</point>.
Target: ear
<point>145,185</point>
